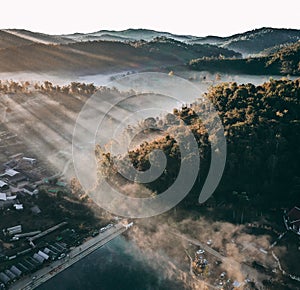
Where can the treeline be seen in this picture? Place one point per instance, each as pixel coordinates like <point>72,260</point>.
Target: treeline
<point>262,128</point>
<point>184,51</point>
<point>12,87</point>
<point>286,61</point>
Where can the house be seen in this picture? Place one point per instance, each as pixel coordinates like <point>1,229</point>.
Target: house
<point>14,177</point>
<point>11,172</point>
<point>44,255</point>
<point>30,190</point>
<point>292,220</point>
<point>4,278</point>
<point>5,197</point>
<point>6,200</point>
<point>35,210</point>
<point>11,197</point>
<point>14,230</point>
<point>3,185</point>
<point>32,161</point>
<point>18,206</point>
<point>10,274</point>
<point>19,180</point>
<point>39,258</point>
<point>23,268</point>
<point>16,271</point>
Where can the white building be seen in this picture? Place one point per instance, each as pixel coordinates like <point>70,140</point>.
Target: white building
<point>3,185</point>
<point>14,230</point>
<point>11,172</point>
<point>3,196</point>
<point>29,160</point>
<point>18,206</point>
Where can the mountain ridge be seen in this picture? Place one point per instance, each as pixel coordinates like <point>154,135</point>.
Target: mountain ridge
<point>22,49</point>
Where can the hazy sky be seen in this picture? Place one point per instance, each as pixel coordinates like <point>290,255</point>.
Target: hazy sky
<point>195,17</point>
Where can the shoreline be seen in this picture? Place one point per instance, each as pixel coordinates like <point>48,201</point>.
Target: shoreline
<point>75,255</point>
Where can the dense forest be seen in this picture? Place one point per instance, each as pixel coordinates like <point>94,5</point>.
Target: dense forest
<point>26,87</point>
<point>262,129</point>
<point>285,61</point>
<point>166,47</point>
<point>257,40</point>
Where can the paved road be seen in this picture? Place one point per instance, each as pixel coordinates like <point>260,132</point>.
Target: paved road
<point>74,256</point>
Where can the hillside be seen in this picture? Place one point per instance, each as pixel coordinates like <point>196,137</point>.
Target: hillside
<point>102,56</point>
<point>287,58</point>
<point>127,35</point>
<point>37,37</point>
<point>10,40</point>
<point>255,41</point>
<point>109,51</point>
<point>262,125</point>
<point>282,62</point>
<point>250,42</point>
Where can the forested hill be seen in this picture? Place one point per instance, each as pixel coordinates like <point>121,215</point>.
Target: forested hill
<point>137,49</point>
<point>257,40</point>
<point>102,56</point>
<point>262,128</point>
<point>283,62</point>
<point>249,42</point>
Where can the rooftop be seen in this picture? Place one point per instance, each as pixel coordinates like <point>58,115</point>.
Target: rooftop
<point>11,172</point>
<point>2,196</point>
<point>2,183</point>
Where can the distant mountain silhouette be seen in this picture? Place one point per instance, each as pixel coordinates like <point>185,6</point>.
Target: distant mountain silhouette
<point>250,42</point>
<point>29,51</point>
<point>107,50</point>
<point>283,61</point>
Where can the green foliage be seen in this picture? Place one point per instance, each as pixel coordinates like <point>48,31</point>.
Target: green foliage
<point>262,128</point>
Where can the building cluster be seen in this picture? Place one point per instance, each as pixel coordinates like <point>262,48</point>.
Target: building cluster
<point>25,251</point>
<point>16,179</point>
<point>31,263</point>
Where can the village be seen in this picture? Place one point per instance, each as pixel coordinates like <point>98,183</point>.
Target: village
<point>35,231</point>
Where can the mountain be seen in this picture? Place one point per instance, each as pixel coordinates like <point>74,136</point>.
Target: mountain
<point>36,37</point>
<point>127,35</point>
<point>254,41</point>
<point>287,59</point>
<point>89,57</point>
<point>261,125</point>
<point>250,42</point>
<point>108,51</point>
<point>11,40</point>
<point>283,61</point>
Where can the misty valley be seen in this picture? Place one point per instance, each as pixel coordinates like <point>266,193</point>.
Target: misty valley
<point>108,139</point>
